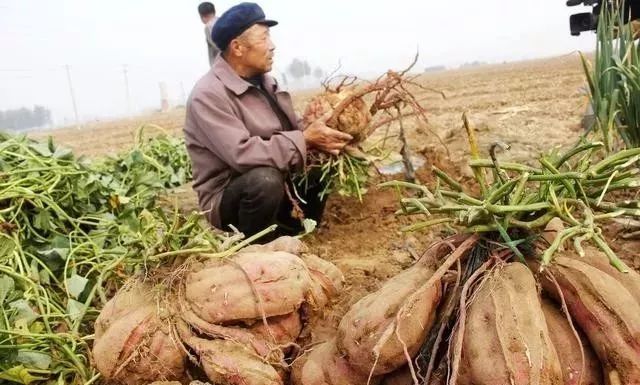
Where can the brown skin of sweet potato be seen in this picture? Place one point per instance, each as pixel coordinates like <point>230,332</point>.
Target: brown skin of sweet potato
<point>219,291</point>
<point>404,305</point>
<point>506,340</point>
<point>231,363</point>
<point>281,330</point>
<point>286,244</point>
<point>594,257</point>
<point>327,280</point>
<point>605,310</point>
<point>324,365</point>
<point>133,345</point>
<point>570,351</point>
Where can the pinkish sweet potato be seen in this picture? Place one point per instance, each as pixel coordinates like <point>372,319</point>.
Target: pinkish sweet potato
<point>383,329</point>
<point>248,286</point>
<point>231,363</point>
<point>280,330</point>
<point>286,244</point>
<point>327,279</point>
<point>606,311</point>
<point>506,340</point>
<point>596,258</point>
<point>133,344</point>
<point>324,365</point>
<point>570,350</point>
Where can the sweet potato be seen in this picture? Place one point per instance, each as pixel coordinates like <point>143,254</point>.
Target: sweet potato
<point>506,340</point>
<point>133,344</point>
<point>382,329</point>
<point>324,365</point>
<point>286,244</point>
<point>281,330</point>
<point>248,286</point>
<point>596,258</point>
<point>231,363</point>
<point>570,350</point>
<point>327,279</point>
<point>605,310</point>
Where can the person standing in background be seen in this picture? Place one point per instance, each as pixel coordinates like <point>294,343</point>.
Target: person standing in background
<point>207,13</point>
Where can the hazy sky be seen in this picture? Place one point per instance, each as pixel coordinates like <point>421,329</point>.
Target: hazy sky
<point>161,40</point>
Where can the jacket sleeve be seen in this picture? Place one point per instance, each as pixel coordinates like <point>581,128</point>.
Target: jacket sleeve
<point>224,134</point>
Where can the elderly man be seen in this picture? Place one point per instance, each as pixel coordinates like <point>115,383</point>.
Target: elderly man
<point>243,135</point>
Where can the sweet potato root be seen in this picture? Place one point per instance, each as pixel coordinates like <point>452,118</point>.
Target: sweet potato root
<point>605,310</point>
<point>133,345</point>
<point>386,328</point>
<point>231,363</point>
<point>327,280</point>
<point>324,365</point>
<point>281,330</point>
<point>248,286</point>
<point>579,364</point>
<point>506,340</point>
<point>596,258</point>
<point>285,244</point>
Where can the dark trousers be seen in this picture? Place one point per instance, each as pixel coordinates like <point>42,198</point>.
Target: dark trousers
<point>257,199</point>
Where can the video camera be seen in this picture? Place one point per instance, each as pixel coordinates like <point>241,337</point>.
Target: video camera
<point>588,21</point>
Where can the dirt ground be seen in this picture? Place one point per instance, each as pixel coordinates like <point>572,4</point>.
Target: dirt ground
<point>533,106</point>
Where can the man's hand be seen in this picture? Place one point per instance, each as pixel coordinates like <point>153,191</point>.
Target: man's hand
<point>318,135</point>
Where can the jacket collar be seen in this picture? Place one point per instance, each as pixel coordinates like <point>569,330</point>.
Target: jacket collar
<point>234,82</point>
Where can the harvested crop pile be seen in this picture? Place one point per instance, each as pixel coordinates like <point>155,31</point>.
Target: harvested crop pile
<point>491,326</point>
<point>237,318</point>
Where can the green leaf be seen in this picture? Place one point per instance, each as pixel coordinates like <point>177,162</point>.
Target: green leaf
<point>63,153</point>
<point>19,374</point>
<point>23,310</point>
<point>7,245</point>
<point>74,309</point>
<point>7,285</point>
<point>41,148</point>
<point>56,252</point>
<point>76,285</point>
<point>32,359</point>
<point>42,220</point>
<point>309,225</point>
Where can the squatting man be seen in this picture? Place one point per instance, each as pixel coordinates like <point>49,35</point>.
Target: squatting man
<point>243,136</point>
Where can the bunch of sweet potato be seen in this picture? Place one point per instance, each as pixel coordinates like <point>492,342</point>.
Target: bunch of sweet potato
<point>510,329</point>
<point>238,319</point>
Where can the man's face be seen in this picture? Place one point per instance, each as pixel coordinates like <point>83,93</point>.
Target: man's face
<point>257,49</point>
<point>205,19</point>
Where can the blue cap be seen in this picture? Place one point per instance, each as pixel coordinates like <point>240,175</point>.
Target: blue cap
<point>235,21</point>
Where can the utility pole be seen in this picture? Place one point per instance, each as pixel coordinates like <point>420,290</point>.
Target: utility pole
<point>73,95</point>
<point>126,87</point>
<point>183,94</point>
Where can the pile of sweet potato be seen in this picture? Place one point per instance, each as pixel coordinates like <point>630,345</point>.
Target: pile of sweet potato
<point>236,319</point>
<point>575,321</point>
<point>509,328</point>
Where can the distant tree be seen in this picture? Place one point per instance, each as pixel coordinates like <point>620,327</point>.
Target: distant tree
<point>318,73</point>
<point>24,118</point>
<point>296,69</point>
